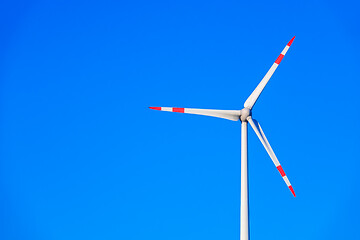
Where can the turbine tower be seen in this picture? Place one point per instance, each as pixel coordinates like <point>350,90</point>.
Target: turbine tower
<point>245,116</point>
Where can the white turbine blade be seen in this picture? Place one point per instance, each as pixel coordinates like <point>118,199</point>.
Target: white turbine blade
<point>249,103</point>
<point>226,114</point>
<point>259,132</point>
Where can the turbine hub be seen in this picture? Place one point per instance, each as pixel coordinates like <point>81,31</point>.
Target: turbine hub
<point>244,113</point>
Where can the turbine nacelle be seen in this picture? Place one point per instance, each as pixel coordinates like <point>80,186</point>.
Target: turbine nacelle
<point>244,114</point>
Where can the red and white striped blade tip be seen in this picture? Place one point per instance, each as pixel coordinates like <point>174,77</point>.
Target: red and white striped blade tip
<point>282,173</point>
<point>155,108</point>
<point>291,41</point>
<point>292,190</point>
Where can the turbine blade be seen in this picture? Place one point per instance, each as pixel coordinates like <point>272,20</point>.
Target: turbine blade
<point>250,102</point>
<point>226,114</point>
<point>259,132</point>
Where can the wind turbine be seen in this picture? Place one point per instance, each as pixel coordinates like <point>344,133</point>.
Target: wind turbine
<point>245,116</point>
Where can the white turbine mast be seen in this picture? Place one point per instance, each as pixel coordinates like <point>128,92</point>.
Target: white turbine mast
<point>245,116</point>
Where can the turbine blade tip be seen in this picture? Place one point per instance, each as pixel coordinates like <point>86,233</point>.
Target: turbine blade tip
<point>291,41</point>
<point>155,108</point>
<point>292,191</point>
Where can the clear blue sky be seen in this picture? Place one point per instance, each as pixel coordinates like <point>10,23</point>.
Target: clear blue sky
<point>82,157</point>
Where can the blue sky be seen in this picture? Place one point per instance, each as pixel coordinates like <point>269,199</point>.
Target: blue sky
<point>82,157</point>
